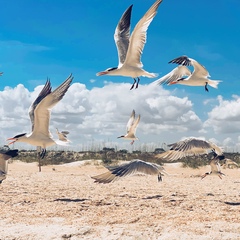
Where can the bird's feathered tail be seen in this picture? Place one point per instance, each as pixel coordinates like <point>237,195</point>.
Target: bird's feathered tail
<point>214,83</point>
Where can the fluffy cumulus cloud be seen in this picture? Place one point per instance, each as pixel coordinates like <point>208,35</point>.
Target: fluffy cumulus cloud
<point>225,117</point>
<point>98,116</point>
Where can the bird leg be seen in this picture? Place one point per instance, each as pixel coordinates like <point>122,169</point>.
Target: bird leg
<point>159,177</point>
<point>137,82</point>
<point>41,155</point>
<point>133,84</point>
<point>132,142</point>
<point>204,175</point>
<point>206,88</point>
<point>221,174</point>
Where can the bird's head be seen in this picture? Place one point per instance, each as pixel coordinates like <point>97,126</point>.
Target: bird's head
<point>177,81</point>
<point>108,70</point>
<point>121,136</point>
<point>16,138</point>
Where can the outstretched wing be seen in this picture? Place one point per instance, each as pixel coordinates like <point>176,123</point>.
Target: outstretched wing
<point>173,76</point>
<point>189,147</point>
<point>135,166</point>
<point>122,35</point>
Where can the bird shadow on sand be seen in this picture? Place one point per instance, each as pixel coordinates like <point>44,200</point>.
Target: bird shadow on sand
<point>232,203</point>
<point>70,200</point>
<point>152,197</point>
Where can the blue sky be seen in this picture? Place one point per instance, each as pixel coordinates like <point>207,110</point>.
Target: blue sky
<point>40,39</point>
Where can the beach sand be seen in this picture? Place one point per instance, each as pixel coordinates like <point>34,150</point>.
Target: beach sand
<point>63,202</point>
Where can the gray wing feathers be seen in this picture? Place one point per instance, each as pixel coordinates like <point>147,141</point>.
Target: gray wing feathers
<point>176,74</point>
<point>189,147</point>
<point>122,35</point>
<point>45,91</point>
<point>135,166</point>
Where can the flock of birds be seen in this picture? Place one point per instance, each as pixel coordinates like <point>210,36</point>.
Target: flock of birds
<point>130,48</point>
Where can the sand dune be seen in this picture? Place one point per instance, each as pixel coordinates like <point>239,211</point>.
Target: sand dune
<point>63,202</point>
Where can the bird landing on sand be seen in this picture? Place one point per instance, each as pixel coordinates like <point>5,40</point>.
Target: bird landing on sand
<point>130,48</point>
<point>135,166</point>
<point>191,147</point>
<point>131,128</point>
<point>182,75</point>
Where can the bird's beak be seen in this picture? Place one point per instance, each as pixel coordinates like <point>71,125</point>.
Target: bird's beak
<point>171,83</point>
<point>101,73</point>
<point>10,139</point>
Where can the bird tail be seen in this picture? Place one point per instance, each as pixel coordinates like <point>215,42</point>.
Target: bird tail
<point>214,83</point>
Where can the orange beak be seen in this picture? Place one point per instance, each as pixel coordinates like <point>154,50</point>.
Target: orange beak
<point>101,73</point>
<point>171,83</point>
<point>14,140</point>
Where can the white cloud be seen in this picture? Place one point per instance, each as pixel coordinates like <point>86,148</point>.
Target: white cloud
<point>98,116</point>
<point>225,117</point>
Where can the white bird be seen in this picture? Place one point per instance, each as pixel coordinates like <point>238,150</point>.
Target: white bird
<point>215,169</point>
<point>131,128</point>
<point>135,166</point>
<point>182,75</point>
<point>189,147</point>
<point>39,112</point>
<point>5,154</point>
<point>130,48</point>
<point>194,146</point>
<point>62,136</point>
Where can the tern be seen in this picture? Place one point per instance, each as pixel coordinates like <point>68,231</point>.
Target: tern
<point>131,128</point>
<point>62,136</point>
<point>194,146</point>
<point>182,75</point>
<point>5,154</point>
<point>189,147</point>
<point>215,169</point>
<point>130,48</point>
<point>135,166</point>
<point>39,112</point>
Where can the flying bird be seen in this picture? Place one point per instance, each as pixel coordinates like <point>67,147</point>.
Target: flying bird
<point>5,154</point>
<point>1,73</point>
<point>40,112</point>
<point>130,48</point>
<point>194,146</point>
<point>215,169</point>
<point>62,136</point>
<point>182,75</point>
<point>135,166</point>
<point>189,147</point>
<point>131,128</point>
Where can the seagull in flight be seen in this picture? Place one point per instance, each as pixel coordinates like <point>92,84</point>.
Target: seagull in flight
<point>215,168</point>
<point>131,128</point>
<point>194,146</point>
<point>5,154</point>
<point>62,136</point>
<point>182,75</point>
<point>189,147</point>
<point>130,48</point>
<point>135,166</point>
<point>40,112</point>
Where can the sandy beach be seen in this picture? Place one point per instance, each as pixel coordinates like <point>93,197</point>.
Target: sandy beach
<point>63,202</point>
